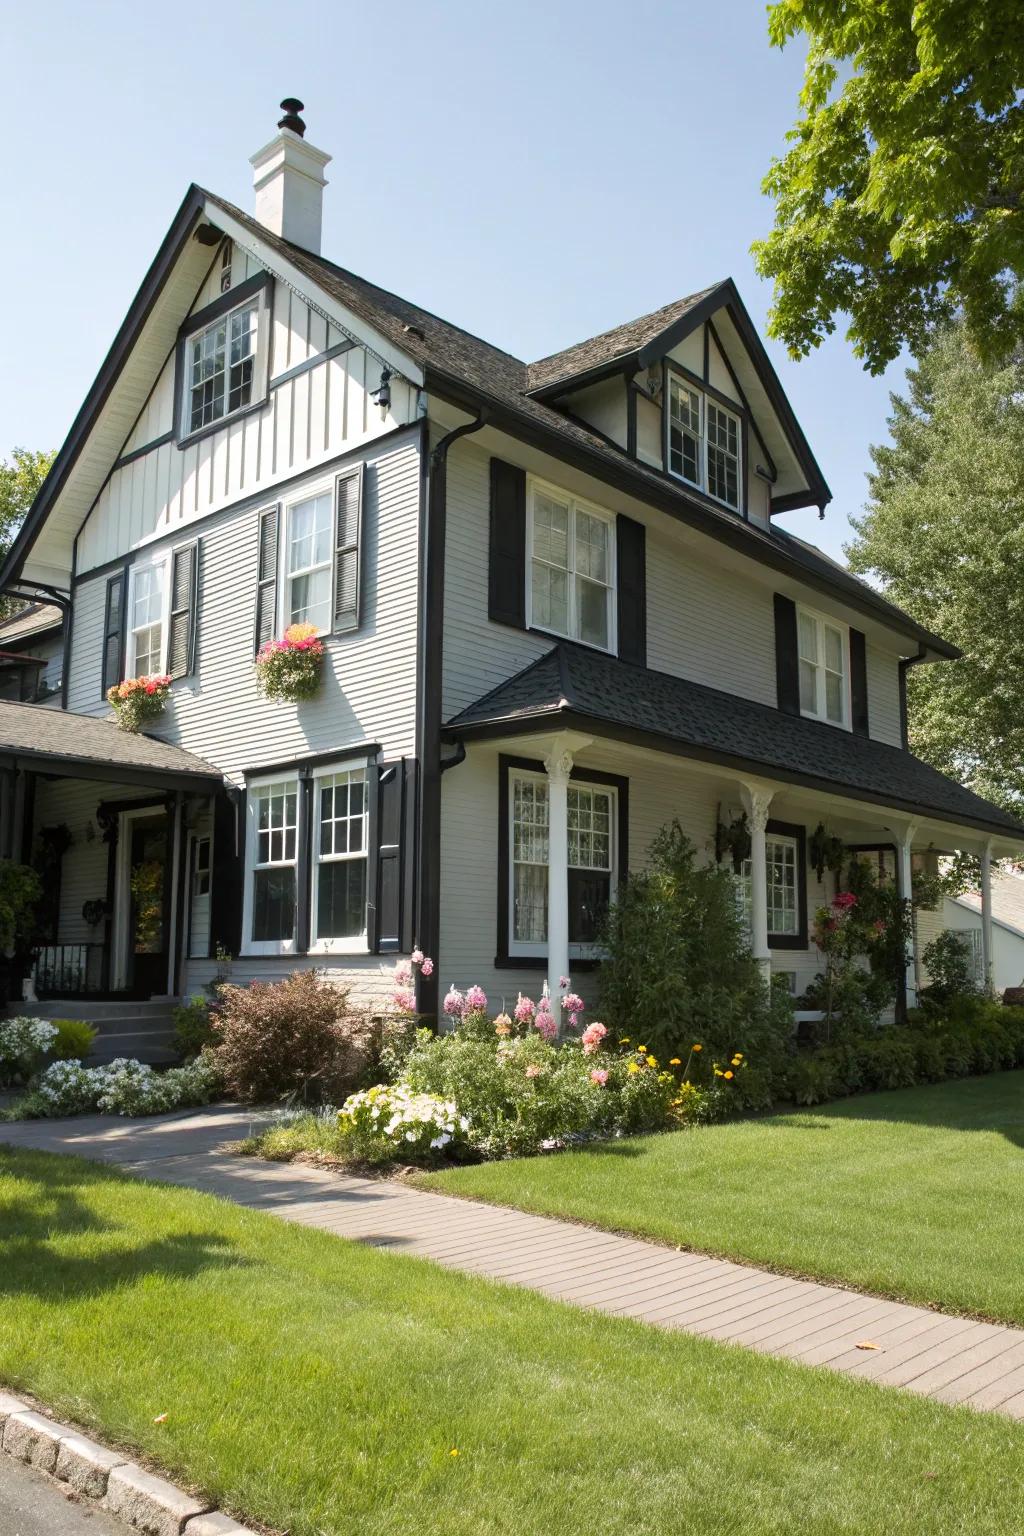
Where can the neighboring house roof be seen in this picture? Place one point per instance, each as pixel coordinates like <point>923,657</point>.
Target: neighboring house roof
<point>57,740</point>
<point>1007,901</point>
<point>574,686</point>
<point>472,373</point>
<point>30,621</point>
<point>611,346</point>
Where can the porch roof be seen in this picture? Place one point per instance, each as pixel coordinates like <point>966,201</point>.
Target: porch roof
<point>58,742</point>
<point>572,686</point>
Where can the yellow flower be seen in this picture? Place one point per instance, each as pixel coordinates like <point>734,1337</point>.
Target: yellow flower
<point>727,1074</point>
<point>739,1055</point>
<point>453,1452</point>
<point>696,1047</point>
<point>632,1067</point>
<point>675,1062</point>
<point>717,1072</point>
<point>735,1061</point>
<point>642,1049</point>
<point>623,1039</point>
<point>652,1061</point>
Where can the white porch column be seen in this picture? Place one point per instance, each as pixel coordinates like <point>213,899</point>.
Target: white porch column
<point>757,799</point>
<point>906,889</point>
<point>558,765</point>
<point>986,914</point>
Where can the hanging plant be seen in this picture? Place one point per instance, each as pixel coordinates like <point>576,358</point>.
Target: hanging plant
<point>289,669</point>
<point>826,851</point>
<point>138,700</point>
<point>733,838</point>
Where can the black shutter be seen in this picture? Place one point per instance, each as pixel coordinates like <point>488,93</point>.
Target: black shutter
<point>631,574</point>
<point>228,873</point>
<point>348,516</point>
<point>787,656</point>
<point>181,647</point>
<point>506,582</point>
<point>392,807</point>
<point>266,576</point>
<point>114,631</point>
<point>858,682</point>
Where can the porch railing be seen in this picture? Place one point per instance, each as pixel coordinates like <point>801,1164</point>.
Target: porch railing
<point>68,970</point>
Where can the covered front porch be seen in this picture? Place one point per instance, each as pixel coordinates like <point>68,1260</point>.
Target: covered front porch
<point>119,829</point>
<point>568,777</point>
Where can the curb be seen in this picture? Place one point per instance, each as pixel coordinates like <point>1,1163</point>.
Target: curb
<point>151,1505</point>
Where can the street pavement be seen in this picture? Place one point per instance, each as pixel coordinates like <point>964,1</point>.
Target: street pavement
<point>32,1504</point>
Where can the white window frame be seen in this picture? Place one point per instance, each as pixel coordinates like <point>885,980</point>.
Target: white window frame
<point>823,621</point>
<point>574,503</point>
<point>744,885</point>
<point>354,944</point>
<point>534,949</point>
<point>161,564</point>
<point>253,946</point>
<point>705,398</point>
<point>259,372</point>
<point>326,487</point>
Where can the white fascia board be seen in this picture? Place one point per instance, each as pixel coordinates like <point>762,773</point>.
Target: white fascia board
<point>348,322</point>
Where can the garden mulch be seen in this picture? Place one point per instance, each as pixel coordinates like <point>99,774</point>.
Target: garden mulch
<point>953,1360</point>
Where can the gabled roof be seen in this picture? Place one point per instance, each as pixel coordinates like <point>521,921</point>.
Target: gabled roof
<point>455,365</point>
<point>58,741</point>
<point>612,347</point>
<point>33,619</point>
<point>1007,902</point>
<point>574,686</point>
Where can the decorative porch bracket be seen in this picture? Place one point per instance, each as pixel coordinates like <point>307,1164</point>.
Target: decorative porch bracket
<point>757,800</point>
<point>558,761</point>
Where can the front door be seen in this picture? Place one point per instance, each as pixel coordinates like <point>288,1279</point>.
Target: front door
<point>143,905</point>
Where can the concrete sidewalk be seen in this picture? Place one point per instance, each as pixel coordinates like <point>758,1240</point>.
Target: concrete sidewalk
<point>950,1359</point>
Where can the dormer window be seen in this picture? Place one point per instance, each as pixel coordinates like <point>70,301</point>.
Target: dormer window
<point>222,363</point>
<point>704,443</point>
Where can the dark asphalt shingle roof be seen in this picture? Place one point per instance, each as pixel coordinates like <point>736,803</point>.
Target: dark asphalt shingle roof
<point>33,619</point>
<point>618,342</point>
<point>30,730</point>
<point>571,682</point>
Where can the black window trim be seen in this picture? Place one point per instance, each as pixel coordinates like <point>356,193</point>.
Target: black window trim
<point>741,411</point>
<point>798,833</point>
<point>508,764</point>
<point>260,285</point>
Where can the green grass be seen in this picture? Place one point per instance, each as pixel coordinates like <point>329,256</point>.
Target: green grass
<point>917,1194</point>
<point>319,1386</point>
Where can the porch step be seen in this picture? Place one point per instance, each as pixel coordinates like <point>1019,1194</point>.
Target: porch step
<point>143,1030</point>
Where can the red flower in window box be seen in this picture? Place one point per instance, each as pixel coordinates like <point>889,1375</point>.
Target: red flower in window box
<point>137,700</point>
<point>289,669</point>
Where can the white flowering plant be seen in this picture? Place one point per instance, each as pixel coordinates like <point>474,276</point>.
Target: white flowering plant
<point>68,1088</point>
<point>23,1044</point>
<point>121,1087</point>
<point>380,1122</point>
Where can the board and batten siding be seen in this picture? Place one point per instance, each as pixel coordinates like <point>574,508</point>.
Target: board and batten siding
<point>308,419</point>
<point>369,688</point>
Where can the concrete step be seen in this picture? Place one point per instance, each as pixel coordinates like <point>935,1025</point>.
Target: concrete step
<point>94,1009</point>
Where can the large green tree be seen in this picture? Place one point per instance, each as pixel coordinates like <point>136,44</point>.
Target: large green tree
<point>900,201</point>
<point>944,530</point>
<point>20,478</point>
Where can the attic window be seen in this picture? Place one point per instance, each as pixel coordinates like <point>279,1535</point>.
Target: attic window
<point>704,443</point>
<point>222,357</point>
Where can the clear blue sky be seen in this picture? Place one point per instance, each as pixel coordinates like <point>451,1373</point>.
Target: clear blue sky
<point>535,172</point>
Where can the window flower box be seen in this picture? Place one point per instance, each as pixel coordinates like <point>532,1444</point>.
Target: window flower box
<point>289,669</point>
<point>138,700</point>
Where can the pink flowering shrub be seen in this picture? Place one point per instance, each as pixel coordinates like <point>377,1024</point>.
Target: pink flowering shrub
<point>593,1038</point>
<point>290,668</point>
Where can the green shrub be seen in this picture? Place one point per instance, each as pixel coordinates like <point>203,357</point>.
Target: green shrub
<point>948,963</point>
<point>291,1038</point>
<point>74,1040</point>
<point>194,1027</point>
<point>24,1045</point>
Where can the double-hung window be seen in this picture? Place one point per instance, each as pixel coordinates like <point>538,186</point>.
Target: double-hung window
<point>824,683</point>
<point>704,443</point>
<point>220,367</point>
<point>592,861</point>
<point>308,561</point>
<point>783,886</point>
<point>147,619</point>
<point>306,862</point>
<point>572,568</point>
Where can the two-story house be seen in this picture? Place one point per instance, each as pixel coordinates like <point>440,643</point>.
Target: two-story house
<point>557,613</point>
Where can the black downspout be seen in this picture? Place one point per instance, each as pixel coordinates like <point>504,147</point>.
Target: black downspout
<point>428,863</point>
<point>905,664</point>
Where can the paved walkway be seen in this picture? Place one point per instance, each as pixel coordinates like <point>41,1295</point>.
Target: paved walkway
<point>950,1359</point>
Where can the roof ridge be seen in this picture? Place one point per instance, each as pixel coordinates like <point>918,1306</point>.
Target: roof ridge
<point>610,330</point>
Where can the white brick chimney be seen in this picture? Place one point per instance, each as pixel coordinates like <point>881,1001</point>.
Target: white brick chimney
<point>288,175</point>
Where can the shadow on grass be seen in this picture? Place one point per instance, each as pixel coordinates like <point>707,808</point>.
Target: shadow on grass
<point>48,1232</point>
<point>992,1103</point>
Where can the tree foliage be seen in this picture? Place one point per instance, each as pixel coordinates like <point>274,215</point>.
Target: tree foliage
<point>20,478</point>
<point>899,201</point>
<point>944,530</point>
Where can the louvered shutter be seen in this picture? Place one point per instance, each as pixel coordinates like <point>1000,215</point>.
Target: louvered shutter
<point>858,682</point>
<point>787,656</point>
<point>631,576</point>
<point>182,629</point>
<point>266,576</point>
<point>348,517</point>
<point>228,873</point>
<point>114,631</point>
<point>392,816</point>
<point>506,581</point>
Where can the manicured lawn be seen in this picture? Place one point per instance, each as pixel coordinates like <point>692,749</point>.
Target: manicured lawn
<point>320,1386</point>
<point>917,1194</point>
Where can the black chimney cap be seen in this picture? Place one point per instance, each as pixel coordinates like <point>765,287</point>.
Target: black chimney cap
<point>291,107</point>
